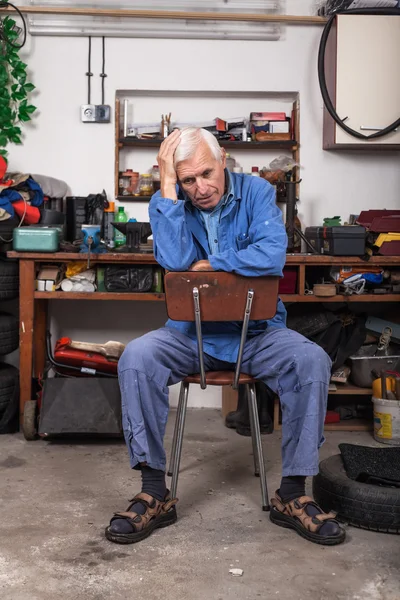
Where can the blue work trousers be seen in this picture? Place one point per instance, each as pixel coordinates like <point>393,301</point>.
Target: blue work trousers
<point>292,366</point>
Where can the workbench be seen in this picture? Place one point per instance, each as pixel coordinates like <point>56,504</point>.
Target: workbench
<point>33,306</point>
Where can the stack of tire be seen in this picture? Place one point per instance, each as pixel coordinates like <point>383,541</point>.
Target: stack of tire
<point>359,504</point>
<point>9,341</point>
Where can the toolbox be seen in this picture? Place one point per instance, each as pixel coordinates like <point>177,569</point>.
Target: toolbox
<point>345,240</point>
<point>36,239</point>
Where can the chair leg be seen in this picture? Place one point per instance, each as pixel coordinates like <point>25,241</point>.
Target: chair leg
<point>256,435</point>
<point>256,465</point>
<point>179,439</point>
<point>253,439</point>
<point>173,449</point>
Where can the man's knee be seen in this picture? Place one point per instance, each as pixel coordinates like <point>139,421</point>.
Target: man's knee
<point>313,363</point>
<point>139,353</point>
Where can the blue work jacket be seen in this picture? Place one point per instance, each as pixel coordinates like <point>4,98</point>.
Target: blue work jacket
<point>252,242</point>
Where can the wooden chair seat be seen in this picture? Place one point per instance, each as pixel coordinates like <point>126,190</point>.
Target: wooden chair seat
<point>220,378</point>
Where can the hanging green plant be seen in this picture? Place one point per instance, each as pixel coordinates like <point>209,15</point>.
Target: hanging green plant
<point>14,87</point>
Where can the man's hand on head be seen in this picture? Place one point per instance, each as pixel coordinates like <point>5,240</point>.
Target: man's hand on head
<point>165,161</point>
<point>201,265</point>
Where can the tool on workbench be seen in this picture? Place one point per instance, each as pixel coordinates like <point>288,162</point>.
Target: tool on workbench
<point>136,234</point>
<point>91,241</point>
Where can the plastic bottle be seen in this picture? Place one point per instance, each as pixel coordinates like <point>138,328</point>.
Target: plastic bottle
<point>120,217</point>
<point>255,172</point>
<point>155,175</point>
<point>230,162</point>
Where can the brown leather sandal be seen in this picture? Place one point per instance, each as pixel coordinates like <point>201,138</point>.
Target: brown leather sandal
<point>293,515</point>
<point>158,514</point>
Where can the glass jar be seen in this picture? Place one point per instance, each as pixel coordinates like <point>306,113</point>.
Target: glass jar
<point>230,162</point>
<point>124,183</point>
<point>145,185</point>
<point>155,176</point>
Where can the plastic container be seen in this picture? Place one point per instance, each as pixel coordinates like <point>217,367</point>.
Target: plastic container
<point>120,217</point>
<point>237,169</point>
<point>230,162</point>
<point>346,240</point>
<point>387,421</point>
<point>157,280</point>
<point>36,239</point>
<point>155,176</point>
<point>128,183</point>
<point>255,172</point>
<point>145,185</point>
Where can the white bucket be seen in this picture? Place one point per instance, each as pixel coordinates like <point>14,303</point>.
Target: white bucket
<point>387,421</point>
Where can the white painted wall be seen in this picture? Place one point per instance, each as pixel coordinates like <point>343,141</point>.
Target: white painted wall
<point>58,144</point>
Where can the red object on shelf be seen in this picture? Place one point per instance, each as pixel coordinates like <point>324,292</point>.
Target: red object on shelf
<point>288,285</point>
<point>373,218</point>
<point>390,224</point>
<point>390,249</point>
<point>332,417</point>
<point>82,359</point>
<point>32,213</point>
<point>3,167</point>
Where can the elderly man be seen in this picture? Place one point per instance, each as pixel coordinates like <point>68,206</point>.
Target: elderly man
<point>207,219</point>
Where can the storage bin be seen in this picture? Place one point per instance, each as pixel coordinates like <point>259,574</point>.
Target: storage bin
<point>345,240</point>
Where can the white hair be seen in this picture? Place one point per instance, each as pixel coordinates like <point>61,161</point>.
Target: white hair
<point>191,137</point>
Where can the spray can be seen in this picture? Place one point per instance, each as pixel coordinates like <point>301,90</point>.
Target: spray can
<point>108,228</point>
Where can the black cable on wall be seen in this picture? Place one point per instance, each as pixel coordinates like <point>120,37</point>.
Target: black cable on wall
<point>322,76</point>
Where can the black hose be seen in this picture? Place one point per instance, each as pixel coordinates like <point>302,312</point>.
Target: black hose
<point>17,46</point>
<point>322,77</point>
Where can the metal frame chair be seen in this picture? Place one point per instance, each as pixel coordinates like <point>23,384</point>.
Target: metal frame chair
<point>218,296</point>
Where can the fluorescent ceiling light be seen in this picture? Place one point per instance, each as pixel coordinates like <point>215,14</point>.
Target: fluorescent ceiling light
<point>228,6</point>
<point>153,28</point>
<point>71,25</point>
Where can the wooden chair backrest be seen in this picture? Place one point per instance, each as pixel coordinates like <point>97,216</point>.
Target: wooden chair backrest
<point>223,295</point>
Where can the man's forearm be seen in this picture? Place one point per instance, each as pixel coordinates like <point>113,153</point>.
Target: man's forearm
<point>168,190</point>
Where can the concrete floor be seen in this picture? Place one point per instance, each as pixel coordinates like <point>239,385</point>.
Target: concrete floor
<point>57,497</point>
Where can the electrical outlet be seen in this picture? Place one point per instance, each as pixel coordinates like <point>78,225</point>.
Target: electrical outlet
<point>103,113</point>
<point>88,113</point>
<point>95,113</point>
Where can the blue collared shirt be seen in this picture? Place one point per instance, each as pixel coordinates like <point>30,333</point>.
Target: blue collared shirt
<point>211,218</point>
<point>251,242</point>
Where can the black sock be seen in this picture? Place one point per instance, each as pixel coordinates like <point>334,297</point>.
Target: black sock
<point>153,483</point>
<point>292,487</point>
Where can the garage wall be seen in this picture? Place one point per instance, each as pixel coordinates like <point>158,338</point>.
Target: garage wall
<point>58,144</point>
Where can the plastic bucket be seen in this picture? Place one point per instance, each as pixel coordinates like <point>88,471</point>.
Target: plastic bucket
<point>387,421</point>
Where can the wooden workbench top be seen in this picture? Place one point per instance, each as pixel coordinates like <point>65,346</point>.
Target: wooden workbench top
<point>291,259</point>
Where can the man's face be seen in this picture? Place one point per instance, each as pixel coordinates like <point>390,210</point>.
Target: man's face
<point>202,177</point>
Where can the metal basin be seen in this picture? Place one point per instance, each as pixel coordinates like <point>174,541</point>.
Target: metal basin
<point>364,361</point>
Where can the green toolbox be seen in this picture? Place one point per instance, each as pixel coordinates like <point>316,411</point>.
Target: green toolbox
<point>36,239</point>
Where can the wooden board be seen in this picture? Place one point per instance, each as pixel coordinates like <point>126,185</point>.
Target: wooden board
<point>109,257</point>
<point>223,296</point>
<point>139,297</point>
<point>171,14</point>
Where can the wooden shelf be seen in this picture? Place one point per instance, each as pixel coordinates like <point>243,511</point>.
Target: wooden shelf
<point>350,425</point>
<point>350,390</point>
<point>320,260</point>
<point>269,145</point>
<point>340,298</point>
<point>140,297</point>
<point>134,198</point>
<point>109,257</point>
